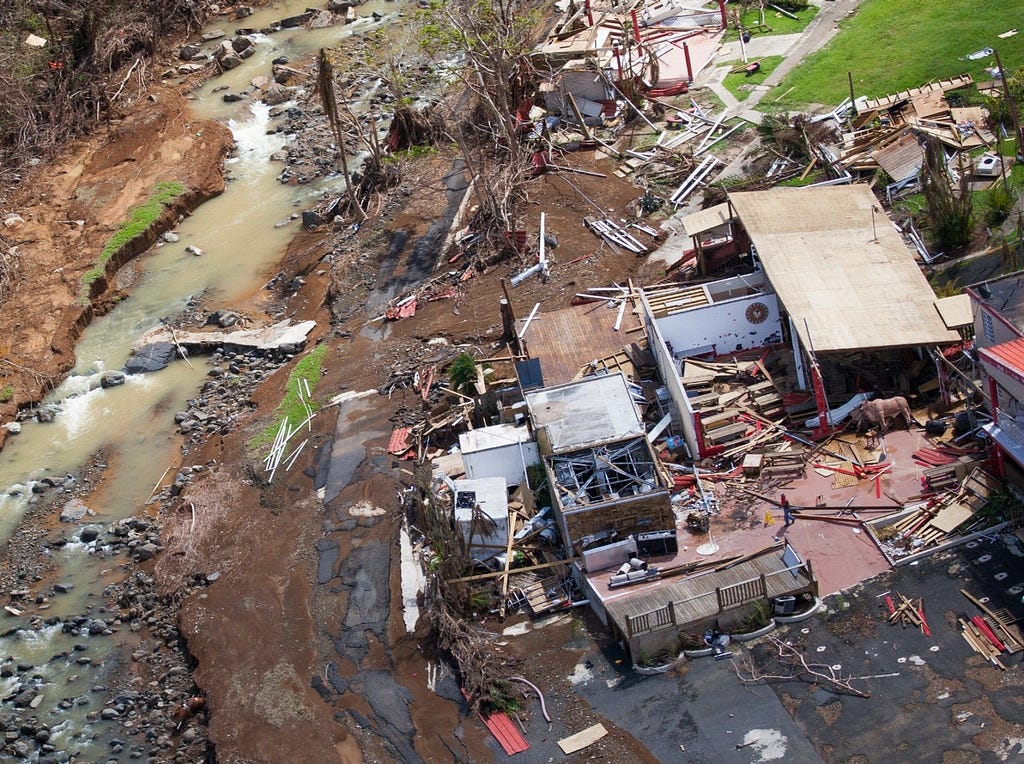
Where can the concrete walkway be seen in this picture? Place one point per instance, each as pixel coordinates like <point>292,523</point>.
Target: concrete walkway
<point>795,47</point>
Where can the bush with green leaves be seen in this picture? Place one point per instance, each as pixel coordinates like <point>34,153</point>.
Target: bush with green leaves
<point>462,372</point>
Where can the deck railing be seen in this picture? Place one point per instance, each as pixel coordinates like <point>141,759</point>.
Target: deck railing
<point>734,595</point>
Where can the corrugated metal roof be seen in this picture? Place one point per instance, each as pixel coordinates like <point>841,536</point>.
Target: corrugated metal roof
<point>1007,357</point>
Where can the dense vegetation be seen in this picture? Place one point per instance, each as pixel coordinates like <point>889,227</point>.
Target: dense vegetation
<point>65,64</point>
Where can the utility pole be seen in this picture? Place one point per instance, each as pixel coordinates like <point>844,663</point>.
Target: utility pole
<point>1014,115</point>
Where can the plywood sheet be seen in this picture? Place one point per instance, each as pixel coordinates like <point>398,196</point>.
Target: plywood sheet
<point>840,269</point>
<point>582,739</point>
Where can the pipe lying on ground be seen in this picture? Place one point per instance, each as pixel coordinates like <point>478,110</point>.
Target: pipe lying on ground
<point>540,695</point>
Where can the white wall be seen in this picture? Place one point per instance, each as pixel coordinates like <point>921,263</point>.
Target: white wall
<point>723,327</point>
<point>504,461</point>
<point>682,417</point>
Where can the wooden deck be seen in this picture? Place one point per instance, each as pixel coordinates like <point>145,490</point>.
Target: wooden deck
<point>700,597</point>
<point>564,340</point>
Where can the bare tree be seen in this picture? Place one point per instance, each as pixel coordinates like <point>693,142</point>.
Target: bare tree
<point>790,665</point>
<point>490,40</point>
<point>325,86</point>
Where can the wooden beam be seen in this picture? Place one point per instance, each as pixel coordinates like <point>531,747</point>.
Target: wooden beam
<point>498,574</point>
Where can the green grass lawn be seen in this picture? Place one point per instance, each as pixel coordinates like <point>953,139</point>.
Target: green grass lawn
<point>890,45</point>
<point>740,84</point>
<point>778,23</point>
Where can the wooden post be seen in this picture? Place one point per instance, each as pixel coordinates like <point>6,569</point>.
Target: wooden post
<point>689,66</point>
<point>1014,114</point>
<point>506,304</point>
<point>579,116</point>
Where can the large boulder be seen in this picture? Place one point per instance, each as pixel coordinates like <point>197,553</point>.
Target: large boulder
<point>153,357</point>
<point>241,44</point>
<point>276,94</point>
<point>226,56</point>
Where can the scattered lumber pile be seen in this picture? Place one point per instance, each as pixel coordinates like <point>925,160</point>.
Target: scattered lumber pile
<point>885,133</point>
<point>939,520</point>
<point>992,633</point>
<point>909,613</point>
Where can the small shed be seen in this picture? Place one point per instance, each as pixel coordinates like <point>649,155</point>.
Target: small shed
<point>502,450</point>
<point>481,510</point>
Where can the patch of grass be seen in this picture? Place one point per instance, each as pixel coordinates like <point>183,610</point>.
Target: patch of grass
<point>779,24</point>
<point>307,370</point>
<point>141,219</point>
<point>740,84</point>
<point>890,45</point>
<point>6,393</point>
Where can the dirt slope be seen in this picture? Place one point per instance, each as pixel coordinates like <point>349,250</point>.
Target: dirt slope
<point>97,182</point>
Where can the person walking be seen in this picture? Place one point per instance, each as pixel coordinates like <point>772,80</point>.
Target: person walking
<point>787,516</point>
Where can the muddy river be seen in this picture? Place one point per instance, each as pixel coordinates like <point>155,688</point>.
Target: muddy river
<point>242,235</point>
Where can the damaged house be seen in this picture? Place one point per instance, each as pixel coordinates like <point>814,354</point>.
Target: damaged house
<point>605,480</point>
<point>998,310</point>
<point>822,271</point>
<point>662,45</point>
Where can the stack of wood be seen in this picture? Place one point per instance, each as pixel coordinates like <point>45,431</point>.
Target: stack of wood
<point>909,613</point>
<point>992,633</point>
<point>938,521</point>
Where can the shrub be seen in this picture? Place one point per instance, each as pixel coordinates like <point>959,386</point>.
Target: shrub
<point>462,372</point>
<point>998,205</point>
<point>293,406</point>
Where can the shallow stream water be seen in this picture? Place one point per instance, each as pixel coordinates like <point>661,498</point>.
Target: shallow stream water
<point>131,425</point>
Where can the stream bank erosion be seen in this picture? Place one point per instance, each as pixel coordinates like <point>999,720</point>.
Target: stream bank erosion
<point>69,210</point>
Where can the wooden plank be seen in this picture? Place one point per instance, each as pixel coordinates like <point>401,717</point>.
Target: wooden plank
<point>498,574</point>
<point>582,739</point>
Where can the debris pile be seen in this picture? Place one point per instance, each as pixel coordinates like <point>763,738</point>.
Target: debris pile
<point>992,633</point>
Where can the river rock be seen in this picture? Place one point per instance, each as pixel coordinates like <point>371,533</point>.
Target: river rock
<point>152,357</point>
<point>230,98</point>
<point>112,379</point>
<point>89,533</point>
<point>24,698</point>
<point>170,237</point>
<point>14,221</point>
<point>109,713</point>
<point>243,11</point>
<point>213,34</point>
<point>226,56</point>
<point>145,551</point>
<point>241,44</point>
<point>192,249</point>
<point>63,587</point>
<point>13,427</point>
<point>282,73</point>
<point>73,511</point>
<point>222,318</point>
<point>296,21</point>
<point>45,414</point>
<point>96,626</point>
<point>188,52</point>
<point>277,94</point>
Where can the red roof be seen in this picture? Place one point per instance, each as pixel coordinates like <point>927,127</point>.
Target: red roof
<point>1008,357</point>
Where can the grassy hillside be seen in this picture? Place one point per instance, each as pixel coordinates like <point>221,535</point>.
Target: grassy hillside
<point>889,45</point>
